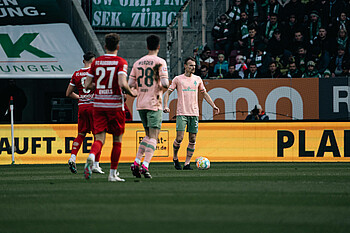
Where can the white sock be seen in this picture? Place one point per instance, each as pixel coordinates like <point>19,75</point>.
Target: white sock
<point>73,157</point>
<point>92,156</point>
<point>138,161</point>
<point>96,164</point>
<point>146,164</point>
<point>112,172</point>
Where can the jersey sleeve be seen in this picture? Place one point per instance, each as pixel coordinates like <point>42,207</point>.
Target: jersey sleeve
<point>92,69</point>
<point>73,81</point>
<point>163,72</point>
<point>201,86</point>
<point>133,72</point>
<point>173,84</point>
<point>123,67</point>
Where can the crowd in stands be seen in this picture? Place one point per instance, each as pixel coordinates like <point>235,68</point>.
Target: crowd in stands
<point>279,39</point>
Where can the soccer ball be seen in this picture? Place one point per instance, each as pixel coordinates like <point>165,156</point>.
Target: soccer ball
<point>202,163</point>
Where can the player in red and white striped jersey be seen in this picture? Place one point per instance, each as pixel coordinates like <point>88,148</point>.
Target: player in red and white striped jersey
<point>85,103</point>
<point>108,73</point>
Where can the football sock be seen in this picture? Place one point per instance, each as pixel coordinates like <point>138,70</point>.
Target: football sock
<point>142,149</point>
<point>112,172</point>
<point>97,156</point>
<point>137,161</point>
<point>176,147</point>
<point>151,147</point>
<point>96,147</point>
<point>145,164</point>
<point>190,151</point>
<point>115,155</point>
<point>73,157</point>
<point>96,164</point>
<point>77,144</point>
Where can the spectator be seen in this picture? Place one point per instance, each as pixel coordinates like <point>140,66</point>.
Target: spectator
<point>222,33</point>
<point>260,58</point>
<point>269,27</point>
<point>291,27</point>
<point>252,9</point>
<point>323,44</point>
<point>342,40</point>
<point>274,71</point>
<point>301,59</point>
<point>250,44</point>
<point>337,63</point>
<point>242,31</point>
<point>197,58</point>
<point>335,7</point>
<point>297,42</point>
<point>204,72</point>
<point>314,26</point>
<point>272,7</point>
<point>293,71</point>
<point>206,59</point>
<point>295,7</point>
<point>241,67</point>
<point>342,22</point>
<point>252,72</point>
<point>257,114</point>
<point>232,73</point>
<point>221,67</point>
<point>234,12</point>
<point>326,74</point>
<point>276,47</point>
<point>311,71</point>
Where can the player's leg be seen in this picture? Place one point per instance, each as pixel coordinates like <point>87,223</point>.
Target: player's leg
<point>154,123</point>
<point>192,129</point>
<point>83,128</point>
<point>181,122</point>
<point>75,148</point>
<point>190,150</point>
<point>135,167</point>
<point>100,126</point>
<point>96,165</point>
<point>95,149</point>
<point>116,127</point>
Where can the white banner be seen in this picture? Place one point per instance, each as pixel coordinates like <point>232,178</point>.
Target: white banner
<point>39,51</point>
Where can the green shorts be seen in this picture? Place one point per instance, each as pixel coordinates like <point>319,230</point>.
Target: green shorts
<point>190,121</point>
<point>151,119</point>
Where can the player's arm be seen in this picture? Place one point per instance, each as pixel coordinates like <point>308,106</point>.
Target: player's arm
<point>166,99</point>
<point>70,92</point>
<point>89,85</point>
<point>210,102</point>
<point>124,84</point>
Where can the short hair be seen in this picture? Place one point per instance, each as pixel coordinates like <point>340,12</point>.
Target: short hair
<point>153,42</point>
<point>273,62</point>
<point>252,64</point>
<point>112,41</point>
<point>88,56</point>
<point>189,59</point>
<point>204,66</point>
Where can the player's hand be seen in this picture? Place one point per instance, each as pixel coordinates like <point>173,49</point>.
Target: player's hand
<point>166,110</point>
<point>216,110</point>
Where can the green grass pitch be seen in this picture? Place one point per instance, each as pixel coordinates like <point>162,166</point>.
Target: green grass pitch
<point>229,197</point>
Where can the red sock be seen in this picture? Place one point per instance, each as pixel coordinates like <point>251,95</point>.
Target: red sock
<point>97,156</point>
<point>77,143</point>
<point>115,155</point>
<point>96,148</point>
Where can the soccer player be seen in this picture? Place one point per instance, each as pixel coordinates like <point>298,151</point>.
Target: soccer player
<point>187,86</point>
<point>108,73</point>
<point>85,104</point>
<point>148,75</point>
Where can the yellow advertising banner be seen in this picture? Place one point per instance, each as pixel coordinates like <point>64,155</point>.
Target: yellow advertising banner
<point>219,141</point>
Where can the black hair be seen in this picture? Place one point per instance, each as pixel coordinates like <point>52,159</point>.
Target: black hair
<point>189,59</point>
<point>153,42</point>
<point>88,56</point>
<point>112,41</point>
